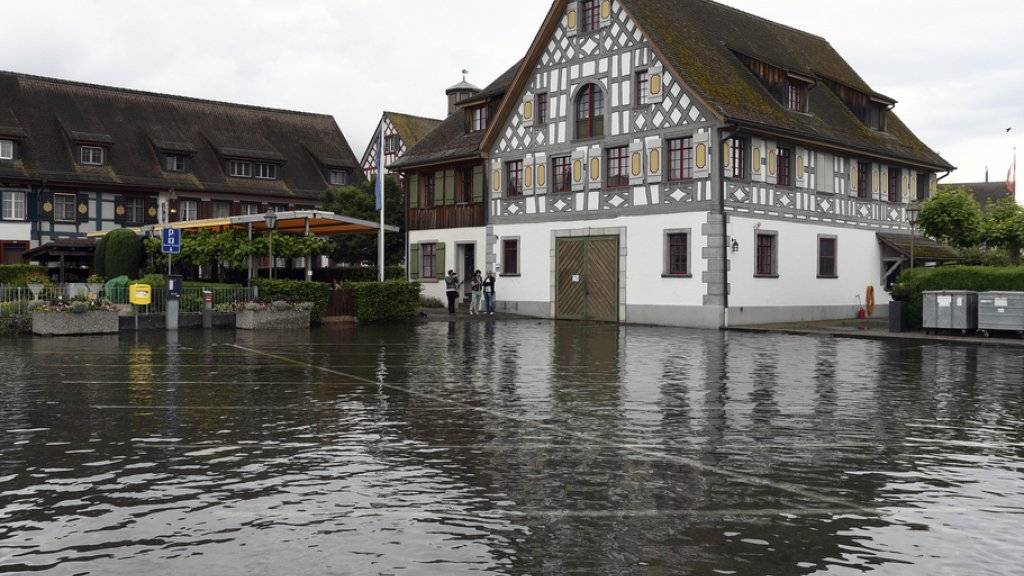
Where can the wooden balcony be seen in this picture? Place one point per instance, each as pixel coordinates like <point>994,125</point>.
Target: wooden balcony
<point>442,217</point>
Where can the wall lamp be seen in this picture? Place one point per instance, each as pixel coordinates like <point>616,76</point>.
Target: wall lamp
<point>735,245</point>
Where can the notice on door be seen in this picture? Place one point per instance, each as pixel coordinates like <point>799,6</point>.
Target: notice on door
<point>576,278</point>
<point>944,301</point>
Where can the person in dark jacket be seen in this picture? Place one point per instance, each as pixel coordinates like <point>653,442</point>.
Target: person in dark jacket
<point>490,294</point>
<point>452,285</point>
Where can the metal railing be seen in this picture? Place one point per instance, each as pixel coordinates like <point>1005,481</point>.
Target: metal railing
<point>15,301</point>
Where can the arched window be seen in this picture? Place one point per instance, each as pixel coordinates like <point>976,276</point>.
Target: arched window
<point>590,112</point>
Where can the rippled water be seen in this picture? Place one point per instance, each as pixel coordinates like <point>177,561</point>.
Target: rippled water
<point>513,448</point>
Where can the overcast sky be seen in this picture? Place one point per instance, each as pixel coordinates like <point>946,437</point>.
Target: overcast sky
<point>954,66</point>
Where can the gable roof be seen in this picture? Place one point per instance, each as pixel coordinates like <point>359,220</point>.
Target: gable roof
<point>54,115</point>
<point>698,39</point>
<point>411,128</point>
<point>983,192</point>
<point>450,141</point>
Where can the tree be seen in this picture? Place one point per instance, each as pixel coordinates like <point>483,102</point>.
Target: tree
<point>1003,227</point>
<point>358,201</point>
<point>123,253</point>
<point>952,216</point>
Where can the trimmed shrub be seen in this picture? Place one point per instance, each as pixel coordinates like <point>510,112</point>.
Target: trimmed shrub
<point>99,257</point>
<point>123,254</point>
<point>913,283</point>
<point>386,301</point>
<point>431,302</point>
<point>19,274</point>
<point>296,291</point>
<point>367,274</point>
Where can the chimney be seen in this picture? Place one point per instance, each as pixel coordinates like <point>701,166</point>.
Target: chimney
<point>460,92</point>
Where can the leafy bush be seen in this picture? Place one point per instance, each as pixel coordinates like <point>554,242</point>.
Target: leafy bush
<point>224,307</point>
<point>154,280</point>
<point>386,301</point>
<point>123,254</point>
<point>296,291</point>
<point>980,256</point>
<point>281,306</point>
<point>912,283</point>
<point>19,274</point>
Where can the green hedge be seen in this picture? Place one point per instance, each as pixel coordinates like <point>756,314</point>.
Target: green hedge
<point>18,274</point>
<point>123,254</point>
<point>912,283</point>
<point>361,274</point>
<point>386,301</point>
<point>296,291</point>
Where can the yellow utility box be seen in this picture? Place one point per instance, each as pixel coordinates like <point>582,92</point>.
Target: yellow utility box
<point>140,294</point>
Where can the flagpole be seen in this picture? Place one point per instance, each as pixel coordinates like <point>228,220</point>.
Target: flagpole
<point>380,198</point>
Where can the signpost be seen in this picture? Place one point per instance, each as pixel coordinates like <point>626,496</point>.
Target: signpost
<point>170,244</point>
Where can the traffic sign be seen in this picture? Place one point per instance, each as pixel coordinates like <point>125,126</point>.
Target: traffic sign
<point>171,241</point>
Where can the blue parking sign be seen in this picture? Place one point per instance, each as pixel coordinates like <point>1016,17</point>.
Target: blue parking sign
<point>171,241</point>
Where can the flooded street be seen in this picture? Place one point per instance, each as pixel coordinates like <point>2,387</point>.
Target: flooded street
<point>509,448</point>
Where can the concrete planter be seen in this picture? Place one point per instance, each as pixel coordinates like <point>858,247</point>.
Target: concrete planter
<point>271,320</point>
<point>71,324</point>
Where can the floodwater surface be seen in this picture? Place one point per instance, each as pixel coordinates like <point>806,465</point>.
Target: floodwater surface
<point>509,448</point>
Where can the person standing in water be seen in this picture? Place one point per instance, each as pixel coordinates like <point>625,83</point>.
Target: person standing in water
<point>477,287</point>
<point>452,284</point>
<point>489,292</point>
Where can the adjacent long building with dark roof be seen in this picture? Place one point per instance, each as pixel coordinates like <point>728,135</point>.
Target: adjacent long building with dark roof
<point>683,162</point>
<point>77,158</point>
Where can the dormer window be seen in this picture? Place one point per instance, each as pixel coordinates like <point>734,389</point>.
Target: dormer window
<point>266,171</point>
<point>339,177</point>
<point>871,110</point>
<point>477,119</point>
<point>240,169</point>
<point>6,149</point>
<point>796,95</point>
<point>92,155</point>
<point>392,144</point>
<point>175,163</point>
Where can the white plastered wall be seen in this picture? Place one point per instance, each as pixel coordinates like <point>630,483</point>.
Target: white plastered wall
<point>452,238</point>
<point>798,286</point>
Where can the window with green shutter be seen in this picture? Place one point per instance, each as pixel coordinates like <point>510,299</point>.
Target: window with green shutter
<point>414,191</point>
<point>414,262</point>
<point>478,184</point>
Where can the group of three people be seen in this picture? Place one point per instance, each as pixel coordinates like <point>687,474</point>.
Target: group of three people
<point>481,289</point>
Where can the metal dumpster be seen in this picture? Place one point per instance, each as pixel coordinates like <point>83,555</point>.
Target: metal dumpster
<point>950,310</point>
<point>1001,311</point>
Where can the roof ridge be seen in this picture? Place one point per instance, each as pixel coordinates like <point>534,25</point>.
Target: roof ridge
<point>137,92</point>
<point>763,19</point>
<point>414,116</point>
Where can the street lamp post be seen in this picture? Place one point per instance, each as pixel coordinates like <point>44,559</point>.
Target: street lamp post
<point>271,219</point>
<point>913,212</point>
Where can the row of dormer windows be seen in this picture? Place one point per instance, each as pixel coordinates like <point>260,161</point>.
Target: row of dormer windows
<point>181,163</point>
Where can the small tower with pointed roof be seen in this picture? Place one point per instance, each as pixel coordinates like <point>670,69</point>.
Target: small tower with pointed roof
<point>460,92</point>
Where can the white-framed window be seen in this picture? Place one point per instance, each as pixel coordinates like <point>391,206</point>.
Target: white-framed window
<point>339,177</point>
<point>14,205</point>
<point>643,88</point>
<point>266,171</point>
<point>249,209</point>
<point>392,144</point>
<point>189,210</point>
<point>240,169</point>
<point>478,119</point>
<point>175,163</point>
<point>64,206</point>
<point>135,211</point>
<point>6,149</point>
<point>92,155</point>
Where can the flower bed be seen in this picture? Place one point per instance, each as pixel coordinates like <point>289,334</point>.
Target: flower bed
<point>274,316</point>
<point>74,318</point>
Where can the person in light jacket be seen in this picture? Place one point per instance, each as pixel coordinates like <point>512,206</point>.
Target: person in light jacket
<point>490,294</point>
<point>477,287</point>
<point>452,285</point>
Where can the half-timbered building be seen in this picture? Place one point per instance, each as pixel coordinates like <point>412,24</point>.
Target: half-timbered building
<point>683,162</point>
<point>445,181</point>
<point>79,158</point>
<point>401,132</point>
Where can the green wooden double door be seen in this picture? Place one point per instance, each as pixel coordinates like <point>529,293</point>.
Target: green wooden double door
<point>587,278</point>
